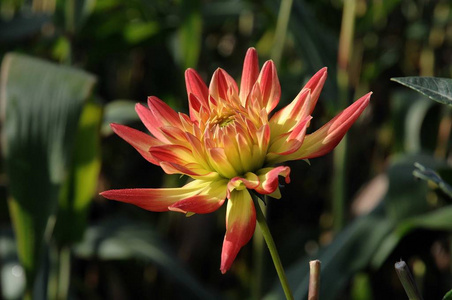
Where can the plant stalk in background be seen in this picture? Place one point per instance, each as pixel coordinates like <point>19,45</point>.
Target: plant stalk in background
<point>340,153</point>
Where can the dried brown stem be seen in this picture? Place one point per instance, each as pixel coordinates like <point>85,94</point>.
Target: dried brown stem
<point>314,280</point>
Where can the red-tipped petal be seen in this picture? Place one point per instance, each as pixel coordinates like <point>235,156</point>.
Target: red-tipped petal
<point>155,199</point>
<point>270,87</point>
<point>220,84</point>
<point>163,113</point>
<point>139,140</point>
<point>290,142</point>
<point>152,124</point>
<point>329,135</point>
<point>269,179</point>
<point>315,85</point>
<point>250,74</point>
<point>172,153</point>
<point>196,87</point>
<point>288,117</point>
<point>209,200</point>
<point>240,225</point>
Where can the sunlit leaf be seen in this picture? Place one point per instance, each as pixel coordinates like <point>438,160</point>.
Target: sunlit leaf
<point>137,32</point>
<point>438,89</point>
<point>42,104</point>
<point>190,34</point>
<point>123,239</point>
<point>81,183</point>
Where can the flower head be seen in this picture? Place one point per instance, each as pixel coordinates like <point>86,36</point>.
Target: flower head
<point>229,145</point>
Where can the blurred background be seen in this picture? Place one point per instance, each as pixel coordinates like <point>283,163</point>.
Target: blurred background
<point>69,68</point>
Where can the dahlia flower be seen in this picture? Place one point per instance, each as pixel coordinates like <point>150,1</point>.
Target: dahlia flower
<point>229,145</point>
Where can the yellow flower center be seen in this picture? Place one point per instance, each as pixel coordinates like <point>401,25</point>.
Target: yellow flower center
<point>224,120</point>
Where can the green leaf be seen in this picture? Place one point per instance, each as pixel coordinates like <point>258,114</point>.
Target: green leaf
<point>81,183</point>
<point>438,89</point>
<point>406,196</point>
<point>190,35</point>
<point>448,295</point>
<point>118,111</point>
<point>428,174</point>
<point>140,31</point>
<point>122,239</point>
<point>41,107</point>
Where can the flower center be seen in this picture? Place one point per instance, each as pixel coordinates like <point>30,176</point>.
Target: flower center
<point>224,119</point>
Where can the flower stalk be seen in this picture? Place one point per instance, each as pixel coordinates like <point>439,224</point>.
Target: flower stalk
<point>272,248</point>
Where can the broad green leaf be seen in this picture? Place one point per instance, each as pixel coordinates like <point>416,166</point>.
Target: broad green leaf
<point>81,183</point>
<point>438,89</point>
<point>41,105</point>
<point>123,239</point>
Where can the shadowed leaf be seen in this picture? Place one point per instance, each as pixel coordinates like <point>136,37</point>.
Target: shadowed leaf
<point>41,107</point>
<point>438,89</point>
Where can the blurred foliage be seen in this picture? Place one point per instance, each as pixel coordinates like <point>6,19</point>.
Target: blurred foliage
<point>39,129</point>
<point>140,48</point>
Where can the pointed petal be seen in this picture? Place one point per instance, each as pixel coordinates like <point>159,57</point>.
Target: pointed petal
<point>329,135</point>
<point>240,225</point>
<point>288,117</point>
<point>172,153</point>
<point>156,199</point>
<point>197,91</point>
<point>163,113</point>
<point>220,85</point>
<point>220,162</point>
<point>270,87</point>
<point>191,170</point>
<point>315,85</point>
<point>209,200</point>
<point>196,86</point>
<point>139,140</point>
<point>250,74</point>
<point>268,178</point>
<point>148,119</point>
<point>289,142</point>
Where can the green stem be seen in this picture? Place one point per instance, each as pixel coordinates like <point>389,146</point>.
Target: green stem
<point>258,264</point>
<point>272,247</point>
<point>64,272</point>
